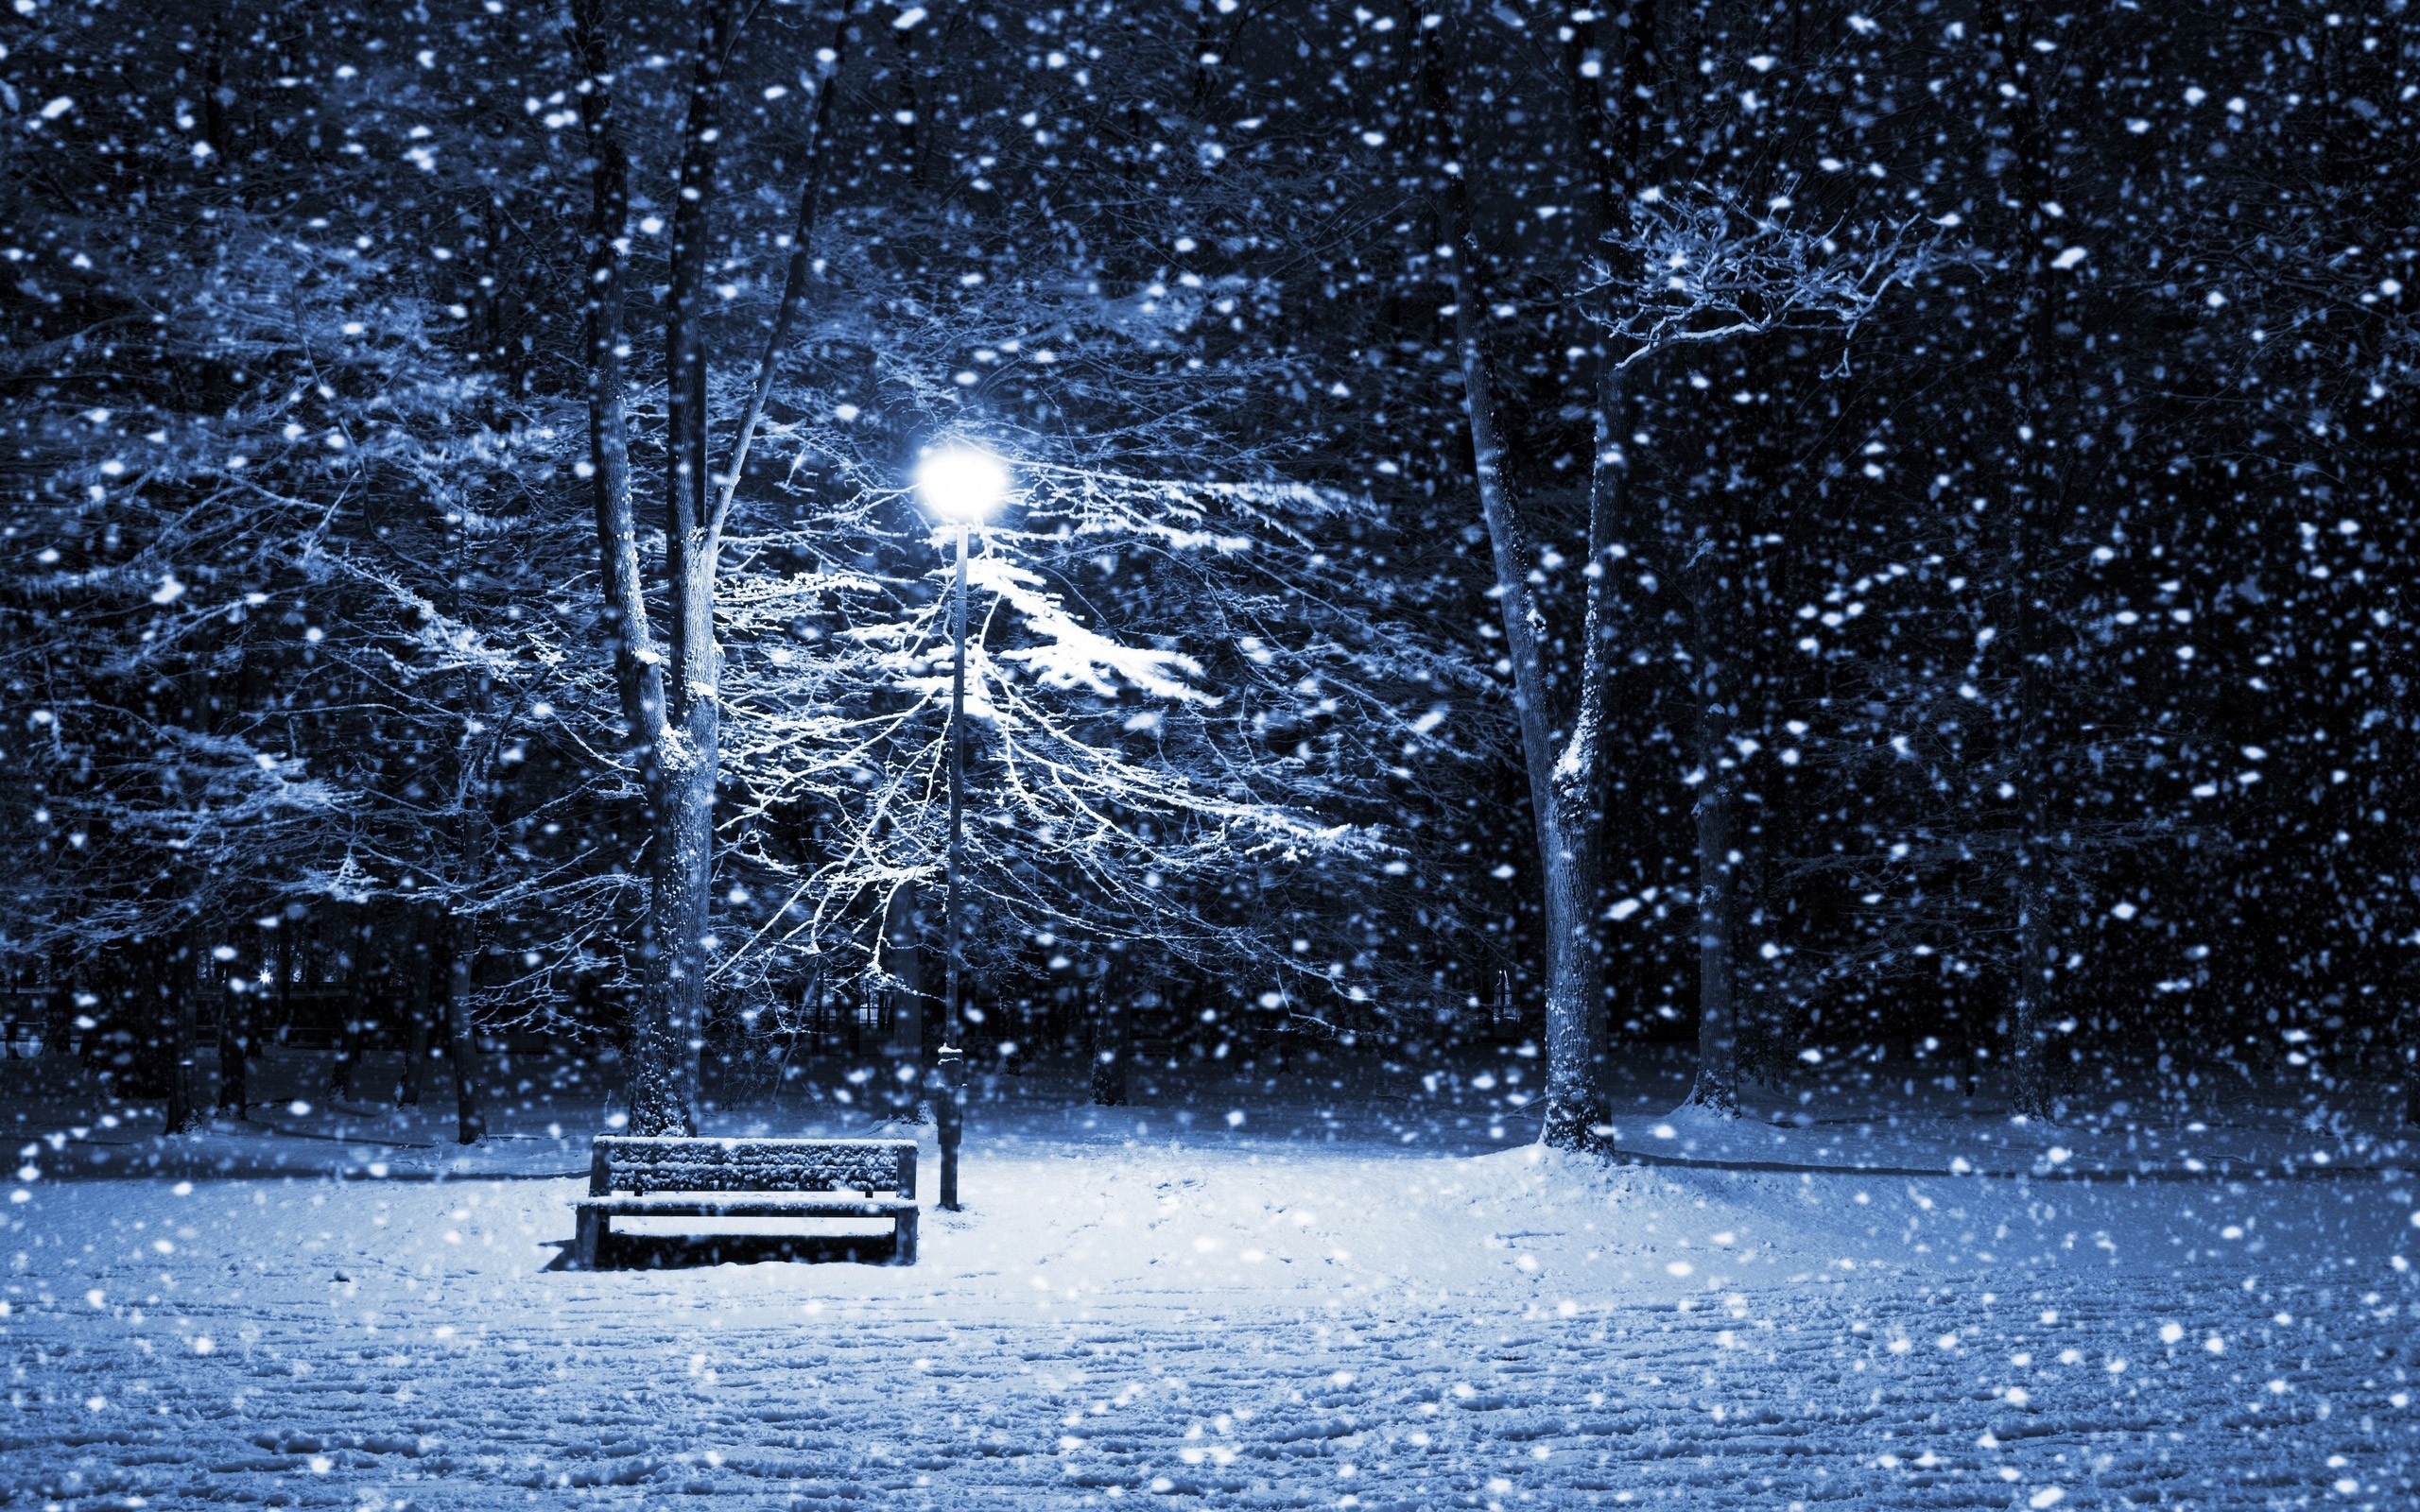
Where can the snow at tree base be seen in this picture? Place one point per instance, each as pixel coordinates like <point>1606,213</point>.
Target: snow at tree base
<point>1495,753</point>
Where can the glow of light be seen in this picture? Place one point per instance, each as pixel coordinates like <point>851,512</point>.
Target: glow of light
<point>961,484</point>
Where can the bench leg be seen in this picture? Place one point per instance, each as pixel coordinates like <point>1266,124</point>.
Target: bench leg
<point>903,1247</point>
<point>588,1238</point>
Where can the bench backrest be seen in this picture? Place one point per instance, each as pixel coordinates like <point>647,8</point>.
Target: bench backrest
<point>640,1165</point>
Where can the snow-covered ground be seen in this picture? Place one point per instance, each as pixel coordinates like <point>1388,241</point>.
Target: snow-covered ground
<point>1291,1312</point>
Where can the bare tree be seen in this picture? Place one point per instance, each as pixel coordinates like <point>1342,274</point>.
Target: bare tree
<point>1559,737</point>
<point>671,695</point>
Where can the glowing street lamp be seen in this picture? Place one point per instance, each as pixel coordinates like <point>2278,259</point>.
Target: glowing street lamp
<point>962,485</point>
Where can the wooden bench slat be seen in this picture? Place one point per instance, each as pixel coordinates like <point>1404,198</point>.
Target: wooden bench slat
<point>746,1205</point>
<point>646,1164</point>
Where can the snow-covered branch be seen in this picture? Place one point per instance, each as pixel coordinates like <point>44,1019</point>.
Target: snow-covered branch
<point>1704,268</point>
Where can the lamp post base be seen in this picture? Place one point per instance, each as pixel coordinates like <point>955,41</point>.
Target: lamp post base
<point>949,1115</point>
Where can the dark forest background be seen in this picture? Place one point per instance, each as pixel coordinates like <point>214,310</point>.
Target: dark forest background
<point>1953,463</point>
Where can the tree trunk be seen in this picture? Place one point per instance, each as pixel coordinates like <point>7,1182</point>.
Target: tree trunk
<point>284,955</point>
<point>178,978</point>
<point>357,987</point>
<point>349,1039</point>
<point>461,1034</point>
<point>1718,1080</point>
<point>59,1021</point>
<point>2029,987</point>
<point>2408,1049</point>
<point>2033,513</point>
<point>1561,765</point>
<point>2033,978</point>
<point>408,1079</point>
<point>672,699</point>
<point>235,1044</point>
<point>1110,1055</point>
<point>903,960</point>
<point>418,990</point>
<point>146,1028</point>
<point>657,1104</point>
<point>670,1045</point>
<point>1763,1012</point>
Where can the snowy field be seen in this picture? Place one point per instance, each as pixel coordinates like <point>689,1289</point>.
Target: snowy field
<point>1134,1307</point>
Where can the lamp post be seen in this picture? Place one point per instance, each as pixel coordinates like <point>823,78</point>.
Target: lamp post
<point>962,485</point>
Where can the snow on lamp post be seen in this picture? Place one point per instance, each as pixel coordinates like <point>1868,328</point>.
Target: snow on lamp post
<point>960,485</point>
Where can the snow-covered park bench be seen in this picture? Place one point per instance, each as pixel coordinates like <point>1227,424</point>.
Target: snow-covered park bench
<point>642,1178</point>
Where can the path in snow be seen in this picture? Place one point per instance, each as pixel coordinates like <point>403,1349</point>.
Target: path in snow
<point>1221,1329</point>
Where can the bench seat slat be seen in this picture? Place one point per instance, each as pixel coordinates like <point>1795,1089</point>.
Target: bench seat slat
<point>642,1163</point>
<point>746,1205</point>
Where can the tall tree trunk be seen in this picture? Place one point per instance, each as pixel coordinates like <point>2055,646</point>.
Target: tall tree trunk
<point>2407,1055</point>
<point>672,699</point>
<point>148,1054</point>
<point>1111,1031</point>
<point>689,755</point>
<point>178,980</point>
<point>283,954</point>
<point>657,1103</point>
<point>417,993</point>
<point>461,1034</point>
<point>2033,975</point>
<point>2033,978</point>
<point>902,961</point>
<point>353,1030</point>
<point>59,1019</point>
<point>234,1045</point>
<point>415,1027</point>
<point>356,988</point>
<point>1765,1007</point>
<point>657,1093</point>
<point>2033,514</point>
<point>1716,1087</point>
<point>1565,844</point>
<point>670,1045</point>
<point>1561,763</point>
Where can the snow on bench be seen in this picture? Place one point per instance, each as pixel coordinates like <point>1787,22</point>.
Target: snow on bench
<point>631,1177</point>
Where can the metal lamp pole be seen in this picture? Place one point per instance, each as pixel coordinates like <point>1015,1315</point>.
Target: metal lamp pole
<point>961,484</point>
<point>951,1113</point>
